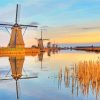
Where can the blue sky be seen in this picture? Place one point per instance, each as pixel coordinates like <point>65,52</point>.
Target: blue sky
<point>70,16</point>
<point>53,12</point>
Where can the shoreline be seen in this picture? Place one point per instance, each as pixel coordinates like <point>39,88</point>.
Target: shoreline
<point>87,48</point>
<point>5,51</point>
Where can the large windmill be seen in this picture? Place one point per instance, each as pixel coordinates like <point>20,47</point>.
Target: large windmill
<point>40,41</point>
<point>16,39</point>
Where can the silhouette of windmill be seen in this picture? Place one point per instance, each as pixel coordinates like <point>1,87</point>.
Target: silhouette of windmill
<point>16,39</point>
<point>40,41</point>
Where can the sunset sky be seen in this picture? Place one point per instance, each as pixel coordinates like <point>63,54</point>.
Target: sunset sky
<point>68,21</point>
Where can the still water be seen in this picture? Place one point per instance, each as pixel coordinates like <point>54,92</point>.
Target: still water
<point>66,75</point>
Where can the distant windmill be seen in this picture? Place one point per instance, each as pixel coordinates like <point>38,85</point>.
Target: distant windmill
<point>40,41</point>
<point>16,39</point>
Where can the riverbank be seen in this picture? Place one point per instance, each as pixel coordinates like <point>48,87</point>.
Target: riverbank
<point>5,51</point>
<point>18,51</point>
<point>87,48</point>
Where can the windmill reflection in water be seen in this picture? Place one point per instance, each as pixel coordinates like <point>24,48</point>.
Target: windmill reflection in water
<point>16,63</point>
<point>16,70</point>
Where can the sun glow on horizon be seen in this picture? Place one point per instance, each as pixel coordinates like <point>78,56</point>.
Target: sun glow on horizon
<point>90,37</point>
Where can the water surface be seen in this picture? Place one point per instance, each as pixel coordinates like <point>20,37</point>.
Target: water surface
<point>66,75</point>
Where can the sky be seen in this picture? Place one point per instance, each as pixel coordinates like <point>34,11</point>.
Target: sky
<point>68,21</point>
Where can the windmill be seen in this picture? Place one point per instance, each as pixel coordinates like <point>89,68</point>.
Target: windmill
<point>40,41</point>
<point>16,39</point>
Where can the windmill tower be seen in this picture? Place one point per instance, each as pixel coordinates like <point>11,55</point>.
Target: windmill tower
<point>40,41</point>
<point>16,39</point>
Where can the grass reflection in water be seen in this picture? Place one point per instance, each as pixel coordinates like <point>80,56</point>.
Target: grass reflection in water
<point>84,77</point>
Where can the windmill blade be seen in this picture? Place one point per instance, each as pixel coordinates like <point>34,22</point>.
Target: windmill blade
<point>29,25</point>
<point>7,73</point>
<point>6,79</point>
<point>16,18</point>
<point>6,25</point>
<point>18,7</point>
<point>20,78</point>
<point>29,77</point>
<point>7,30</point>
<point>17,90</point>
<point>18,15</point>
<point>24,31</point>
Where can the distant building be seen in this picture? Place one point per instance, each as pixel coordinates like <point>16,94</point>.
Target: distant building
<point>49,45</point>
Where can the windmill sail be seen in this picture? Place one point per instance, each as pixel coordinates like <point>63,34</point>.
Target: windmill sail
<point>16,19</point>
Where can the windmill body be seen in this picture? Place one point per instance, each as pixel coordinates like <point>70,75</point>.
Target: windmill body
<point>40,44</point>
<point>16,39</point>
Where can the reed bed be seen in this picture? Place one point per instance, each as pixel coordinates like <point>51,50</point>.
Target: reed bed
<point>84,76</point>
